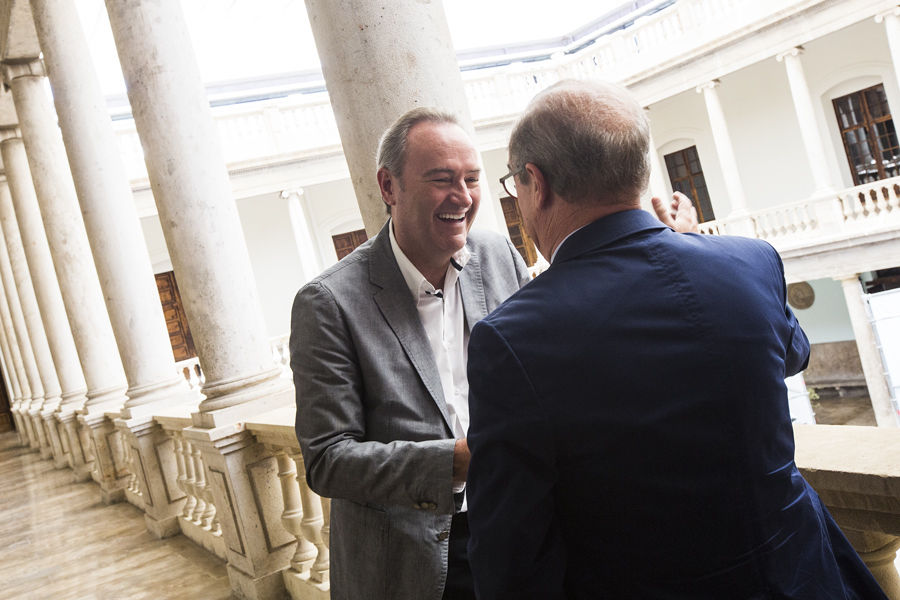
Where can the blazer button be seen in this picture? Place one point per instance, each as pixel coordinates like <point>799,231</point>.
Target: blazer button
<point>443,536</point>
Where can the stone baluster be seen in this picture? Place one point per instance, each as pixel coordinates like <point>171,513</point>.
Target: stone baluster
<point>49,298</point>
<point>34,324</point>
<point>74,266</point>
<point>203,516</point>
<point>184,481</point>
<point>313,524</point>
<point>199,505</point>
<point>292,517</point>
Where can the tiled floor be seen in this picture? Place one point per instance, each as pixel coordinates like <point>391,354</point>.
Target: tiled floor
<point>58,541</point>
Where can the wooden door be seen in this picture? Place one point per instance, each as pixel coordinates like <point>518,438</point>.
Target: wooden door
<point>176,320</point>
<point>516,229</point>
<point>345,243</point>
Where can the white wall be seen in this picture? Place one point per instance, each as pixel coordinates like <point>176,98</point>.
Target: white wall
<point>156,244</point>
<point>846,61</point>
<point>274,259</point>
<point>332,209</point>
<point>827,320</point>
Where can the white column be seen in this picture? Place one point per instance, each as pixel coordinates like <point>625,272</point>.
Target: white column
<point>872,365</point>
<point>724,148</point>
<point>15,398</point>
<point>49,296</point>
<point>891,20</point>
<point>658,185</point>
<point>303,234</point>
<point>67,237</point>
<point>75,272</point>
<point>104,193</point>
<point>813,141</point>
<point>33,322</point>
<point>27,353</point>
<point>9,371</point>
<point>380,61</point>
<point>198,215</point>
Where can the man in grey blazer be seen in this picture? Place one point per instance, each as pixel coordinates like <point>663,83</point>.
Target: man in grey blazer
<point>378,348</point>
<point>378,351</point>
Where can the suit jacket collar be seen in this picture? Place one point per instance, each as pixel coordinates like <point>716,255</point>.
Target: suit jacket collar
<point>395,302</point>
<point>606,231</point>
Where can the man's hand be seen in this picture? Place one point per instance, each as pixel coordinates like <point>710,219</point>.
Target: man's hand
<point>681,216</point>
<point>461,456</point>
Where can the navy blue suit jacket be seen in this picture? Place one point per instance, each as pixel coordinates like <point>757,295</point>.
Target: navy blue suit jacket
<point>630,432</point>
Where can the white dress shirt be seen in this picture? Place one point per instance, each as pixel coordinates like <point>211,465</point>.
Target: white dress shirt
<point>444,320</point>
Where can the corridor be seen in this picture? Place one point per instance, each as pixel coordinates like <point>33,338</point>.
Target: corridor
<point>59,541</point>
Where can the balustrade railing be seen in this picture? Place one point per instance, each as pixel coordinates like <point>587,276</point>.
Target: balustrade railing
<point>304,514</point>
<point>255,132</point>
<point>863,209</point>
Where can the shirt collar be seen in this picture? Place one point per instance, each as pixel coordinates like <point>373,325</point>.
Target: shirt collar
<point>415,281</point>
<point>559,245</point>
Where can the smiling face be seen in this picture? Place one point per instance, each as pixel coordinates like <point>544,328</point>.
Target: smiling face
<point>434,201</point>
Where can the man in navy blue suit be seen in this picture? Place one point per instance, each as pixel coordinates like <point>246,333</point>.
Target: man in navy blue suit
<point>630,434</point>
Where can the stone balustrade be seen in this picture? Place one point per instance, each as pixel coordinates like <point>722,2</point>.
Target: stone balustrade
<point>303,124</point>
<point>854,470</point>
<point>192,372</point>
<point>856,473</point>
<point>871,208</point>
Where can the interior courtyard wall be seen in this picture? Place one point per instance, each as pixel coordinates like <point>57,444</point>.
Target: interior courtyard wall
<point>827,320</point>
<point>276,266</point>
<point>332,209</point>
<point>156,244</point>
<point>846,61</point>
<point>679,122</point>
<point>768,146</point>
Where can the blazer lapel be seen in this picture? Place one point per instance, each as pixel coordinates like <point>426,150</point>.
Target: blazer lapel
<point>396,305</point>
<point>471,286</point>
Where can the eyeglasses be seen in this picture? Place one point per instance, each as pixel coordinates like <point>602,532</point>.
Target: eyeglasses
<point>508,182</point>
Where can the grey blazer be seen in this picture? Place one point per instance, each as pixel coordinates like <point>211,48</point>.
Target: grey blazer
<point>371,417</point>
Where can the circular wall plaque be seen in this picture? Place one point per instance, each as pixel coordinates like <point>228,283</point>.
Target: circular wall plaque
<point>800,295</point>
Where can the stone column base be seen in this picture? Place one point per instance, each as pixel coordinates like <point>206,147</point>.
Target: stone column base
<point>153,464</point>
<point>204,538</point>
<point>162,528</point>
<point>300,586</point>
<point>60,460</point>
<point>240,473</point>
<point>109,471</point>
<point>267,587</point>
<point>879,551</point>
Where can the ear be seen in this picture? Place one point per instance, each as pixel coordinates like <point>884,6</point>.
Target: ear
<point>387,183</point>
<point>542,196</point>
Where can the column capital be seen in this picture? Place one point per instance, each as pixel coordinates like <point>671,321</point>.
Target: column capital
<point>892,12</point>
<point>795,51</point>
<point>33,67</point>
<point>9,133</point>
<point>295,192</point>
<point>709,85</point>
<point>847,278</point>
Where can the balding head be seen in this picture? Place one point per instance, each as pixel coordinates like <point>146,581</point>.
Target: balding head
<point>590,139</point>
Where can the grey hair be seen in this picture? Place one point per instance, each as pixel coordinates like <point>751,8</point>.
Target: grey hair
<point>590,140</point>
<point>391,154</point>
